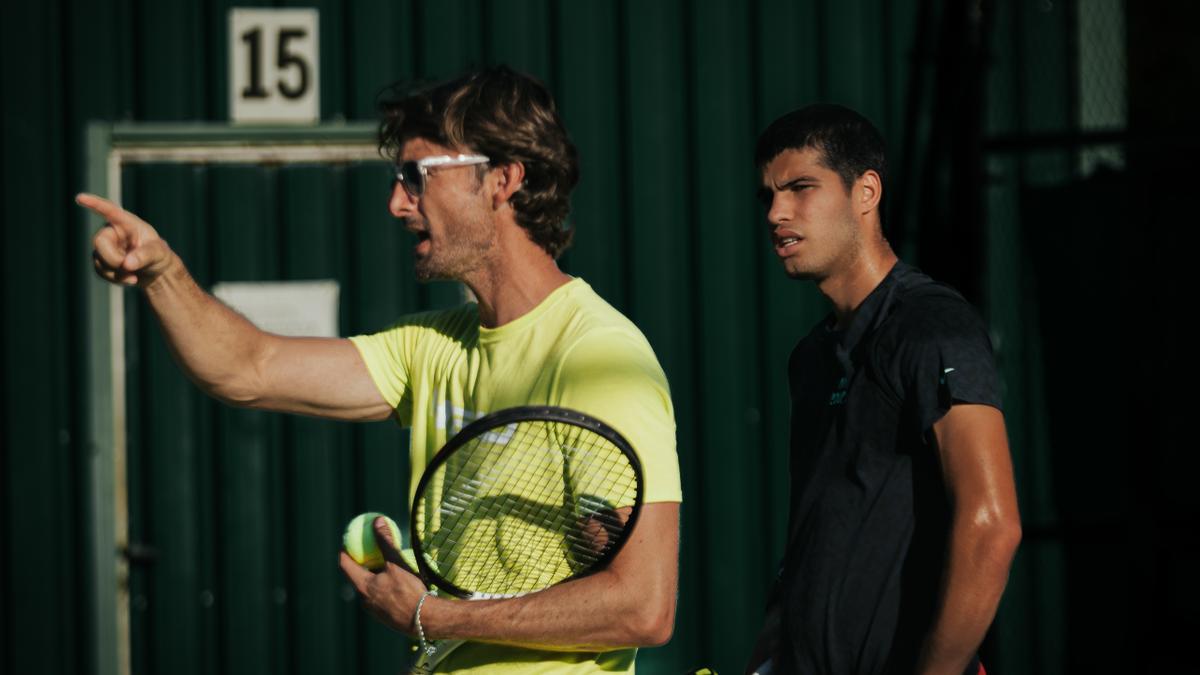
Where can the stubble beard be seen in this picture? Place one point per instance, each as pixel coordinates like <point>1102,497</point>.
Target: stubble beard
<point>456,256</point>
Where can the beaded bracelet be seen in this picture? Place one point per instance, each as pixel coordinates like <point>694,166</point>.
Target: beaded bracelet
<point>427,647</point>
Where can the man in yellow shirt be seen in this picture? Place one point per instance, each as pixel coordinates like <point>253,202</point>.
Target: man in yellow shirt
<point>484,173</point>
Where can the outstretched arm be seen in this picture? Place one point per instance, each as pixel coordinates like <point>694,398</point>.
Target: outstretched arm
<point>226,355</point>
<point>984,532</point>
<point>631,603</point>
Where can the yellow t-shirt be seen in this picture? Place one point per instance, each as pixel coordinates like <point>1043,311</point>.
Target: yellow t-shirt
<point>441,370</point>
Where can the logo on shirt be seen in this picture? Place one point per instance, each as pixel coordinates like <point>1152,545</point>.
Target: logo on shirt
<point>449,417</point>
<point>838,396</point>
<point>944,374</point>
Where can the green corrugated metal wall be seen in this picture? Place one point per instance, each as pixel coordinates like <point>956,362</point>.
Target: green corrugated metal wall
<point>244,510</point>
<point>1031,94</point>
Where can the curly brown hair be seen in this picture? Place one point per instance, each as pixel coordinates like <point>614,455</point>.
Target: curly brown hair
<point>508,116</point>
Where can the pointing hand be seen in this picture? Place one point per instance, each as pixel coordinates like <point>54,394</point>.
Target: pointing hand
<point>128,250</point>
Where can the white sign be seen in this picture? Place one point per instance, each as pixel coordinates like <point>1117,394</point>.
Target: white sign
<point>305,308</point>
<point>273,66</point>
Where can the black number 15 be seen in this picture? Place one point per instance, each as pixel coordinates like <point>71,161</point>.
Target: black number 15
<point>283,59</point>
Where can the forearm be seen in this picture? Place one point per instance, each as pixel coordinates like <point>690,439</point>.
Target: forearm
<point>226,355</point>
<point>985,530</point>
<point>596,613</point>
<point>976,572</point>
<point>217,347</point>
<point>631,603</point>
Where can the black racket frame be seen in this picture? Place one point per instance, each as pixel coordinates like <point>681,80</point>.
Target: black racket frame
<point>503,418</point>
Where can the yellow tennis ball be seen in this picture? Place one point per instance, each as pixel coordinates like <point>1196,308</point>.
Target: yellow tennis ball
<point>359,540</point>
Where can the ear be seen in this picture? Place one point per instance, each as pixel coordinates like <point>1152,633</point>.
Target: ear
<point>872,191</point>
<point>509,178</point>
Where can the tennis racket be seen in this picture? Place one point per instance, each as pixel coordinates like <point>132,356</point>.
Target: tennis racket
<point>520,500</point>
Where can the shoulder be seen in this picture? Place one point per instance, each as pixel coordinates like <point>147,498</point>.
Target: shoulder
<point>402,340</point>
<point>925,311</point>
<point>933,350</point>
<point>607,369</point>
<point>464,314</point>
<point>593,325</point>
<point>451,322</point>
<point>599,342</point>
<point>610,353</point>
<point>591,312</point>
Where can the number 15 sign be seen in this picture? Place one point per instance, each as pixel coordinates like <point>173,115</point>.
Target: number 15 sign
<point>273,65</point>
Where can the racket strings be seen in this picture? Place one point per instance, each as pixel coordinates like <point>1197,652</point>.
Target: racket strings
<point>525,506</point>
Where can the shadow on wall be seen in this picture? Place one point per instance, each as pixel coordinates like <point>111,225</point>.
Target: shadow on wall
<point>1111,261</point>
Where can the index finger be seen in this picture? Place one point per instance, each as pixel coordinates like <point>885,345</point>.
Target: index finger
<point>357,574</point>
<point>110,211</point>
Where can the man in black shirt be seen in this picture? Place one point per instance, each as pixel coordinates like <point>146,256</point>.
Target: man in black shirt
<point>903,518</point>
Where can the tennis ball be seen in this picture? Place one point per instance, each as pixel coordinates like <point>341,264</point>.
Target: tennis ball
<point>359,540</point>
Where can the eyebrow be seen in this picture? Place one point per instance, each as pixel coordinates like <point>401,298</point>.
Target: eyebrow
<point>765,190</point>
<point>797,180</point>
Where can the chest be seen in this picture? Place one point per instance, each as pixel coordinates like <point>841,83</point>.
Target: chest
<point>847,426</point>
<point>456,384</point>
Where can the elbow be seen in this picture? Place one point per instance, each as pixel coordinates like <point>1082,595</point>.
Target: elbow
<point>233,392</point>
<point>999,539</point>
<point>653,624</point>
<point>1009,538</point>
<point>243,383</point>
<point>240,401</point>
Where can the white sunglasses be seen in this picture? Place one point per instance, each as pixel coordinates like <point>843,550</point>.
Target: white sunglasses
<point>412,173</point>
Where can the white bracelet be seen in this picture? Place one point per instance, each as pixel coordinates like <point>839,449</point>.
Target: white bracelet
<point>426,646</point>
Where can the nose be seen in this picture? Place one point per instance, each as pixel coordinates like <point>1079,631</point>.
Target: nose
<point>778,212</point>
<point>401,204</point>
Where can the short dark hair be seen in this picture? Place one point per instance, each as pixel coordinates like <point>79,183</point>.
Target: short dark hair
<point>849,144</point>
<point>508,116</point>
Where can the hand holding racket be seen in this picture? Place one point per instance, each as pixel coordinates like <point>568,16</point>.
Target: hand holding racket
<point>518,501</point>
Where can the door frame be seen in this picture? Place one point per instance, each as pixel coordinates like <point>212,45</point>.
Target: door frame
<point>109,147</point>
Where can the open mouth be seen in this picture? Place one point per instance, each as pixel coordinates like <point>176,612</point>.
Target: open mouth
<point>423,244</point>
<point>784,244</point>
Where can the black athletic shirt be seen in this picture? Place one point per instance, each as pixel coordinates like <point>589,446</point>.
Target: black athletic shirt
<point>869,514</point>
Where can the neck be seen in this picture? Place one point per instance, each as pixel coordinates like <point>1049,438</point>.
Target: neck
<point>517,278</point>
<point>854,281</point>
